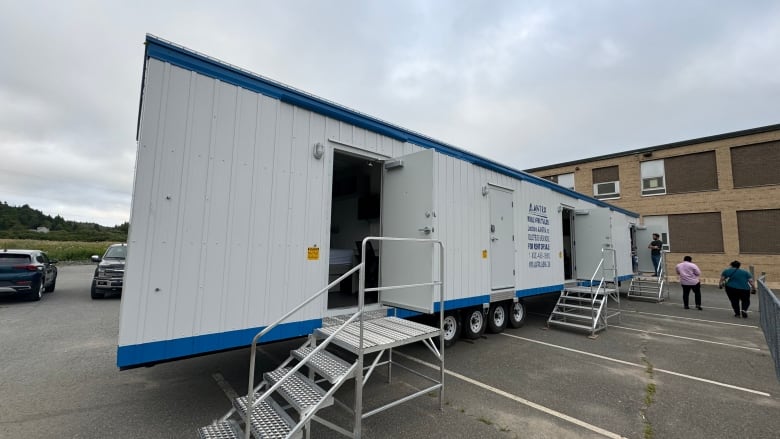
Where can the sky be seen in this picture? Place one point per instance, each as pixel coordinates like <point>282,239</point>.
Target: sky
<point>524,83</point>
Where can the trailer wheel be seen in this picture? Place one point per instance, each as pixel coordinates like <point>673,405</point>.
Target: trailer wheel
<point>473,323</point>
<point>497,317</point>
<point>452,328</point>
<point>517,314</point>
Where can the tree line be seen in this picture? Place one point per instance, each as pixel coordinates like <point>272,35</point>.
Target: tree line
<point>22,222</point>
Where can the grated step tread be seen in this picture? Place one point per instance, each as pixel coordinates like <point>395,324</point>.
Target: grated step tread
<point>327,365</point>
<point>220,430</point>
<point>268,420</point>
<point>572,315</point>
<point>298,390</point>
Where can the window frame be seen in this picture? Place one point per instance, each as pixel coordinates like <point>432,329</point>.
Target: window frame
<point>643,177</point>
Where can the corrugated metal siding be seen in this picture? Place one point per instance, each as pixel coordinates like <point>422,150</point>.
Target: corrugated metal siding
<point>225,181</point>
<point>228,198</point>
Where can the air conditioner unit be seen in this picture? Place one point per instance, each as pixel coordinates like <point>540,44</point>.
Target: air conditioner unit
<point>653,185</point>
<point>609,189</point>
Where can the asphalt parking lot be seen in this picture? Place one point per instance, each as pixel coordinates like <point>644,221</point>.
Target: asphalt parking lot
<point>662,372</point>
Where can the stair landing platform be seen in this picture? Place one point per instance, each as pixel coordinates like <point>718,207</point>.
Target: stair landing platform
<point>379,334</point>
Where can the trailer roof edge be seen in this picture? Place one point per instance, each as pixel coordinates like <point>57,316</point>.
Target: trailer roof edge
<point>183,57</point>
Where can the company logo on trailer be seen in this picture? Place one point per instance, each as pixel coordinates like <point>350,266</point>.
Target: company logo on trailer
<point>537,209</point>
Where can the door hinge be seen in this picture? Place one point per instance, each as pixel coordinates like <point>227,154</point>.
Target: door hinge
<point>513,272</point>
<point>513,238</point>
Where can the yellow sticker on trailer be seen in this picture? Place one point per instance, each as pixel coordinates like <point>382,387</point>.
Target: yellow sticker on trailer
<point>313,254</point>
<point>484,254</point>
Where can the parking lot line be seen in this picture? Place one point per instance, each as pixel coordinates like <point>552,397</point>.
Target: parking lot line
<point>687,338</point>
<point>518,399</point>
<point>225,386</point>
<point>627,363</point>
<point>691,318</point>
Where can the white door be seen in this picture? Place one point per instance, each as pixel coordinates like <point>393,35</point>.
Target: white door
<point>502,245</point>
<point>408,212</point>
<point>593,231</point>
<point>652,224</point>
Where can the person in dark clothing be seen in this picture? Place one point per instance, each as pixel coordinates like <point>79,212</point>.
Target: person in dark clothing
<point>655,251</point>
<point>738,285</point>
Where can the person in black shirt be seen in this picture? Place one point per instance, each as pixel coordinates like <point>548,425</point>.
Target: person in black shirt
<point>655,251</point>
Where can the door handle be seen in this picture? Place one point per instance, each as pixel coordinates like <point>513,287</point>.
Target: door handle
<point>427,230</point>
<point>493,238</point>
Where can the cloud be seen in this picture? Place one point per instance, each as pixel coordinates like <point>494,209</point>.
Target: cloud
<point>526,83</point>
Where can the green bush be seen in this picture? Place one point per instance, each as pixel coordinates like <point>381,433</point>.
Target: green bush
<point>76,251</point>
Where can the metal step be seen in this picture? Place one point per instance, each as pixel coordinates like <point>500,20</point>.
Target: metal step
<point>327,365</point>
<point>268,419</point>
<point>571,306</point>
<point>298,390</point>
<point>572,315</point>
<point>220,430</point>
<point>572,325</point>
<point>580,299</point>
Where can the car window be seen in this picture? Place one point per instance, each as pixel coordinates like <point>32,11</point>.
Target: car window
<point>13,259</point>
<point>40,259</point>
<point>119,252</point>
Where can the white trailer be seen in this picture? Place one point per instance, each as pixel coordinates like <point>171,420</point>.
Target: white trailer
<point>249,196</point>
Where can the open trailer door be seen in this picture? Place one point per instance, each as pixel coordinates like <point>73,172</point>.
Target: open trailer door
<point>593,231</point>
<point>408,212</point>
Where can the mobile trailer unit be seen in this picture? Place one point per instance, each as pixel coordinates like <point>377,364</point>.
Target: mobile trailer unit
<point>249,196</point>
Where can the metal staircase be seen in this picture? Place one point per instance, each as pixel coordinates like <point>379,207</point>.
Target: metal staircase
<point>648,286</point>
<point>586,306</point>
<point>285,403</point>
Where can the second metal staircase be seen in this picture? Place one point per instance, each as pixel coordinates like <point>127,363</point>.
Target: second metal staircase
<point>648,286</point>
<point>586,306</point>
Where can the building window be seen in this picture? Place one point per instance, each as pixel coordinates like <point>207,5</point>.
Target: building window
<point>566,180</point>
<point>759,231</point>
<point>696,232</point>
<point>756,165</point>
<point>606,182</point>
<point>691,173</point>
<point>653,178</point>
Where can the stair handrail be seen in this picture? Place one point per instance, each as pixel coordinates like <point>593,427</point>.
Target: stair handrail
<point>253,354</point>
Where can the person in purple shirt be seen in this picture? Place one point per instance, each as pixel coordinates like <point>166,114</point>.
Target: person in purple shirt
<point>689,279</point>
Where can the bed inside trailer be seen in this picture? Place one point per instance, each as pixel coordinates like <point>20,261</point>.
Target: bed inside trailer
<point>355,214</point>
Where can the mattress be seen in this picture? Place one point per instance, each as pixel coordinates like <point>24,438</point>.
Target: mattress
<point>341,256</point>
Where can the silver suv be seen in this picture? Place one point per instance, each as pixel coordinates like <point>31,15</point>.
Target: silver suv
<point>110,271</point>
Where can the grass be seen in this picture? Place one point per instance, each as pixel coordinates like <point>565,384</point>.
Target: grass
<point>74,251</point>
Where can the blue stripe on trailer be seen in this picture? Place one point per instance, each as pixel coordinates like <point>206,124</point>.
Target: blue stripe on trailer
<point>539,290</point>
<point>152,352</point>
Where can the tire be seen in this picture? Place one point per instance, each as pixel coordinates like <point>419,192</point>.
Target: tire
<point>473,323</point>
<point>497,318</point>
<point>50,288</point>
<point>452,328</point>
<point>94,292</point>
<point>516,314</point>
<point>37,291</point>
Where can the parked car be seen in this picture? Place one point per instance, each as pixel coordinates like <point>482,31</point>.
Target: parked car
<point>27,273</point>
<point>110,271</point>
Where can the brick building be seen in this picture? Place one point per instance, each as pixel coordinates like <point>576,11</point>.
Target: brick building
<point>715,198</point>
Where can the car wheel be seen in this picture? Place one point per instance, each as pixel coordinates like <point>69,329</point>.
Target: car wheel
<point>94,292</point>
<point>451,328</point>
<point>496,318</point>
<point>36,293</point>
<point>517,314</point>
<point>50,288</point>
<point>473,323</point>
